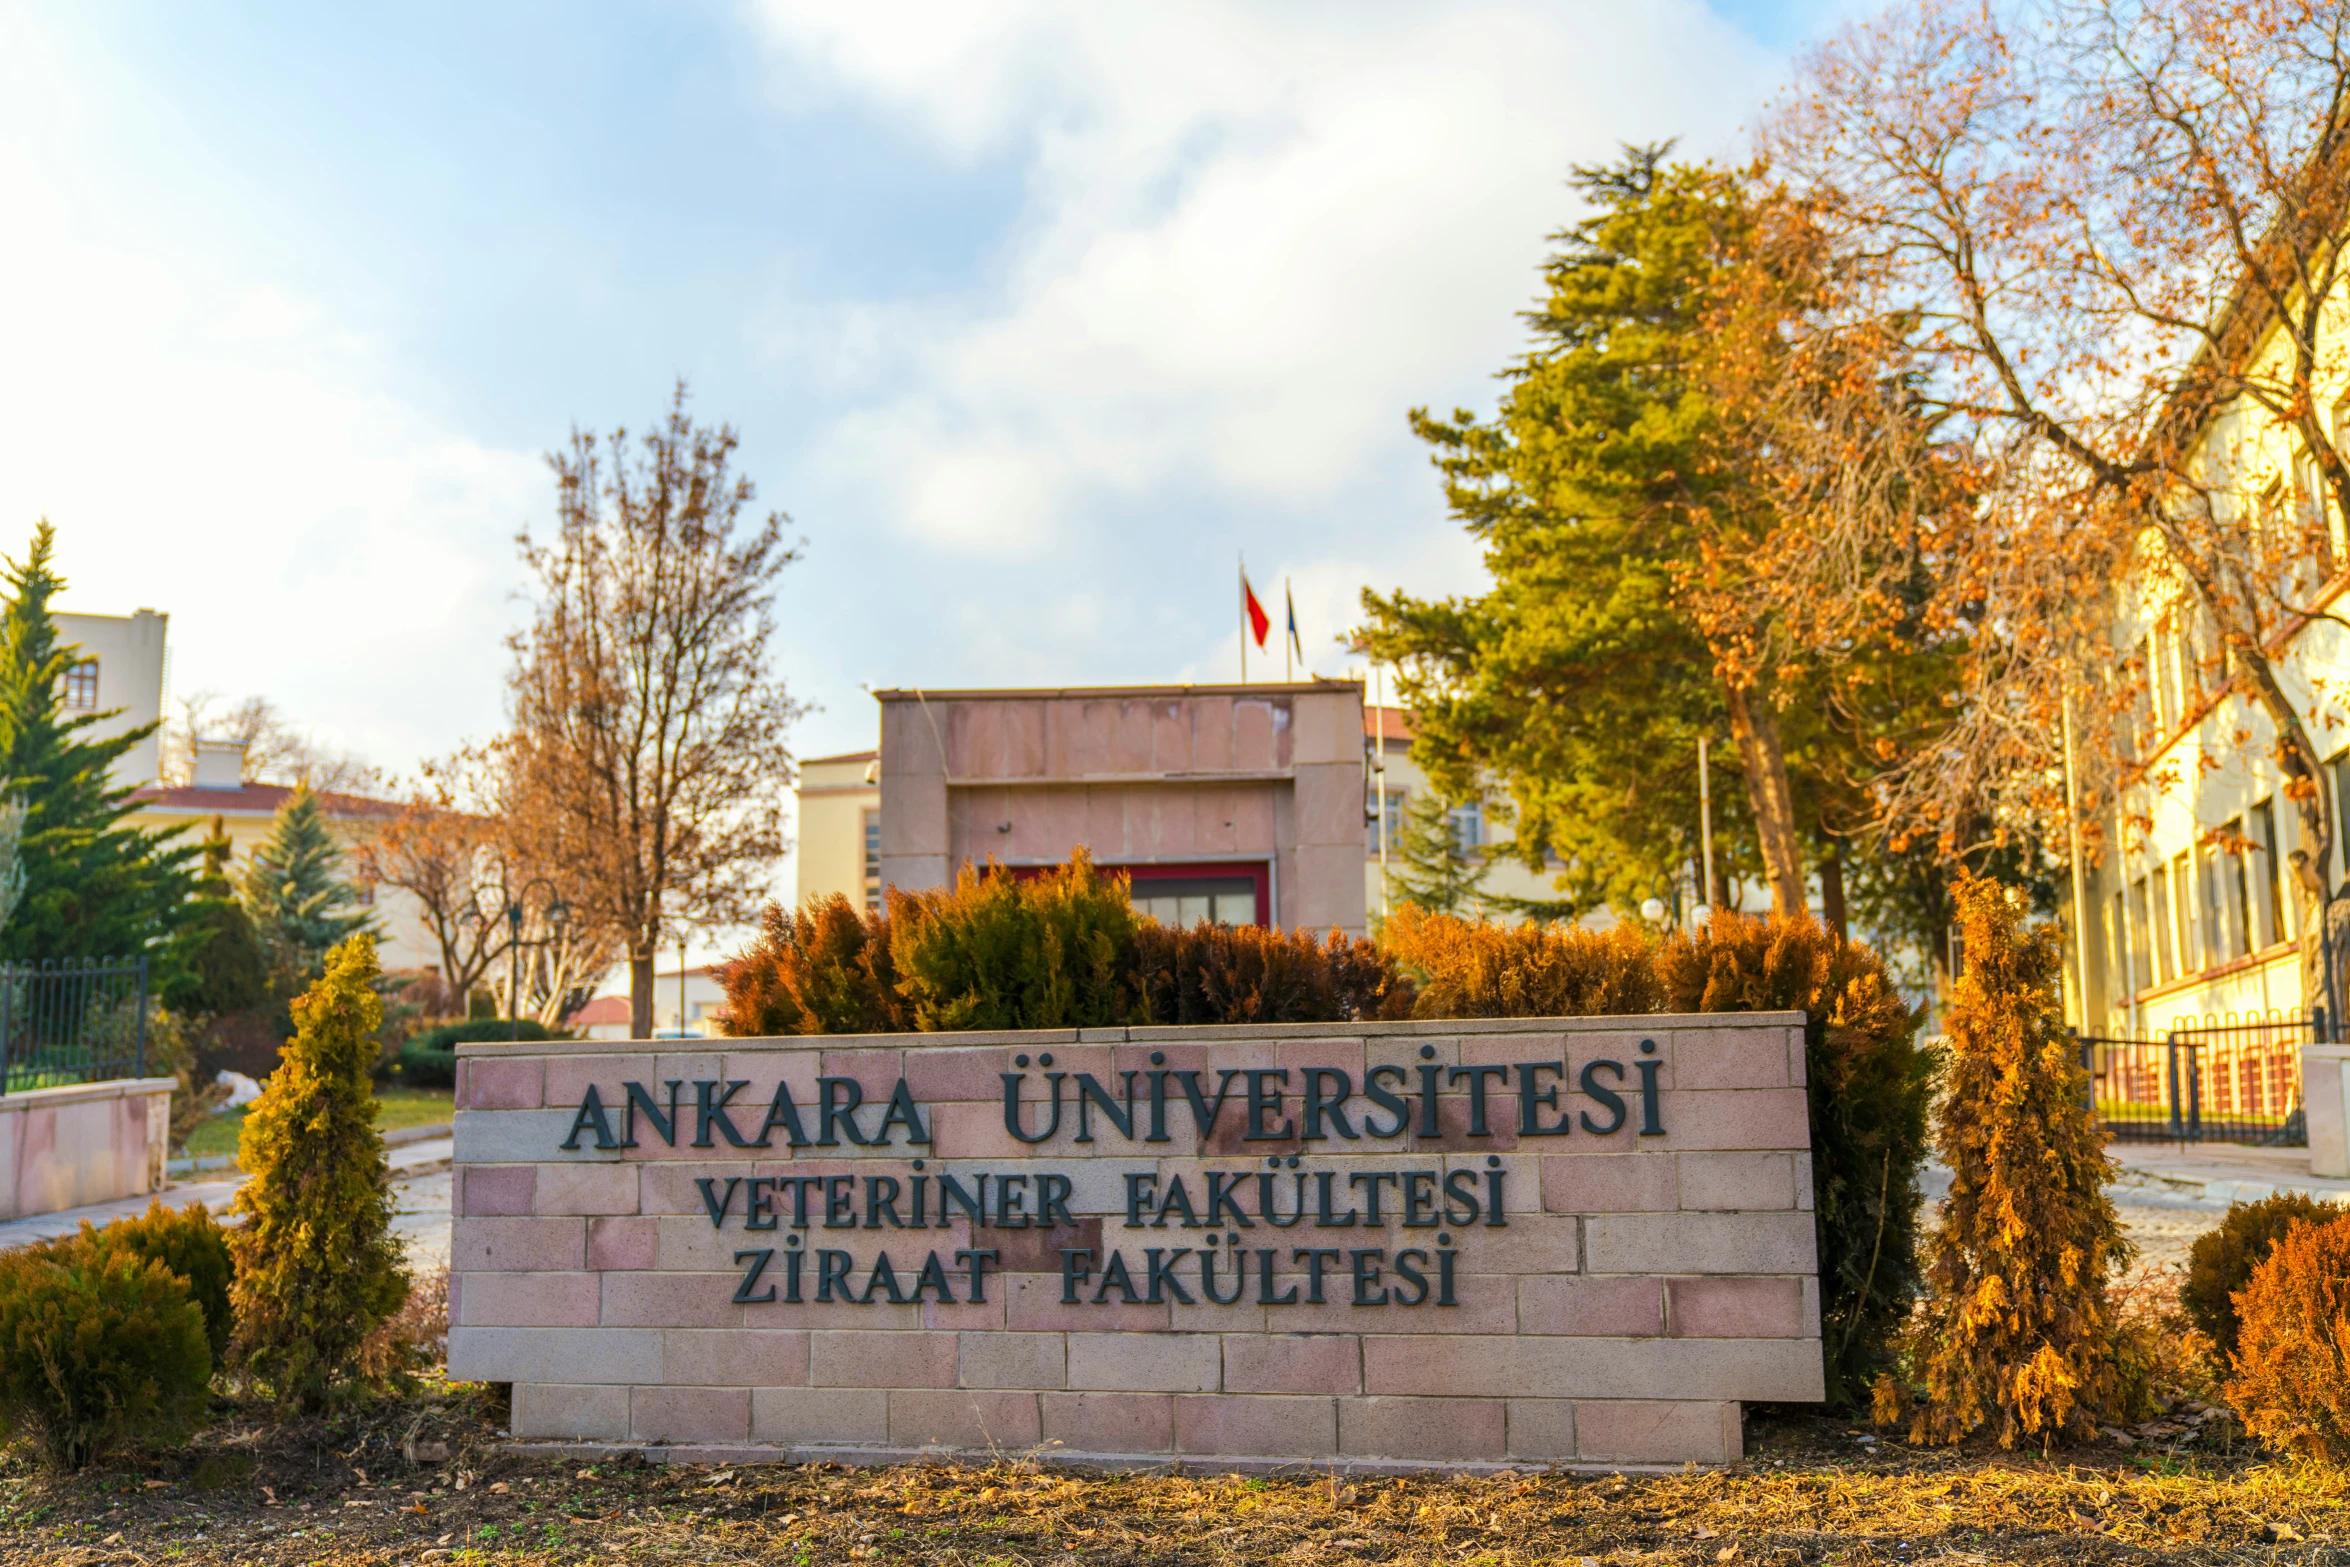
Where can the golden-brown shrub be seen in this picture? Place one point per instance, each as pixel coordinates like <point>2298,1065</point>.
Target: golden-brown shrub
<point>2292,1383</point>
<point>823,970</point>
<point>2019,1329</point>
<point>2221,1263</point>
<point>1472,969</point>
<point>1000,951</point>
<point>1243,974</point>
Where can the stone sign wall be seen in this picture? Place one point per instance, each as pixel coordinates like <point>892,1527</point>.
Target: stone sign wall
<point>1479,1242</point>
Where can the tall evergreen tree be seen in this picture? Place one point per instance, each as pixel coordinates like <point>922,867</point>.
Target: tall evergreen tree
<point>225,970</point>
<point>295,895</point>
<point>93,887</point>
<point>1436,872</point>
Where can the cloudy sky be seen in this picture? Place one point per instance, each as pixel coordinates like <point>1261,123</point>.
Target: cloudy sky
<point>1032,315</point>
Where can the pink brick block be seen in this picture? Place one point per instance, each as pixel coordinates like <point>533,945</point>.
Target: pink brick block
<point>570,1413</point>
<point>1319,1363</point>
<point>1110,1422</point>
<point>841,1316</point>
<point>1445,1428</point>
<point>691,1414</point>
<point>874,1071</point>
<point>1737,1308</point>
<point>1510,1049</point>
<point>517,1245</point>
<point>1016,1360</point>
<point>1434,1366</point>
<point>852,1359</point>
<point>495,1084</point>
<point>587,1188</point>
<point>1736,1118</point>
<point>1729,1058</point>
<point>1255,1426</point>
<point>942,1076</point>
<point>671,1300</point>
<point>1657,1431</point>
<point>1542,1429</point>
<point>734,1357</point>
<point>820,1415</point>
<point>499,1189</point>
<point>958,1419</point>
<point>1737,1182</point>
<point>529,1300</point>
<point>1591,1307</point>
<point>615,1245</point>
<point>1610,1183</point>
<point>568,1078</point>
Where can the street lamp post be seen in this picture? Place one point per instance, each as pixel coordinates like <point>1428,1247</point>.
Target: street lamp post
<point>511,909</point>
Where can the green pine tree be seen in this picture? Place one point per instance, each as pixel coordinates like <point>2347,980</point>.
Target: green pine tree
<point>92,887</point>
<point>225,970</point>
<point>318,1267</point>
<point>1434,870</point>
<point>296,897</point>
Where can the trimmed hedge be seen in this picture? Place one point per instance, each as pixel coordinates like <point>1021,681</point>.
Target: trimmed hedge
<point>430,1059</point>
<point>824,970</point>
<point>1243,974</point>
<point>1468,968</point>
<point>101,1349</point>
<point>997,952</point>
<point>2292,1381</point>
<point>2222,1260</point>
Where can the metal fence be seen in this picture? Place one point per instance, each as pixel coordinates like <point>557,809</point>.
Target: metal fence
<point>2236,1082</point>
<point>72,1022</point>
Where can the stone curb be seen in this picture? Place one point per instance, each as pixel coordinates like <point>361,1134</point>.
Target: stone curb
<point>1135,1463</point>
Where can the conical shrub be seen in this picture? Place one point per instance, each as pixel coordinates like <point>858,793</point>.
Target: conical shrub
<point>2018,1331</point>
<point>317,1264</point>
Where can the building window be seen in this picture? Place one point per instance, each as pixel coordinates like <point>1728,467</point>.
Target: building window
<point>81,686</point>
<point>1393,806</point>
<point>2207,906</point>
<point>1184,902</point>
<point>2239,883</point>
<point>1468,826</point>
<point>2182,881</point>
<point>872,835</point>
<point>2142,939</point>
<point>2264,816</point>
<point>2165,965</point>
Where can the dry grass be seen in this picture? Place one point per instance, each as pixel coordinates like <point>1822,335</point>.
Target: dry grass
<point>1812,1491</point>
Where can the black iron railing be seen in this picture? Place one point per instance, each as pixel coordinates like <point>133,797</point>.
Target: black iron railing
<point>72,1022</point>
<point>2234,1082</point>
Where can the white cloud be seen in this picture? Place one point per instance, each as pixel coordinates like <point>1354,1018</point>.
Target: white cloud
<point>1252,234</point>
<point>212,442</point>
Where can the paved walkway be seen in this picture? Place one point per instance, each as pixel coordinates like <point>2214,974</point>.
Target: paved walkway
<point>420,1203</point>
<point>2218,1174</point>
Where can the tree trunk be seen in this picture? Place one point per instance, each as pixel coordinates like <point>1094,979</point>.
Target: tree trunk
<point>640,996</point>
<point>1832,894</point>
<point>1756,729</point>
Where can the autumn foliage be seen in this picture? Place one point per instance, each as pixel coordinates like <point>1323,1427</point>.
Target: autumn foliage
<point>2018,1328</point>
<point>2223,1260</point>
<point>1469,968</point>
<point>2292,1381</point>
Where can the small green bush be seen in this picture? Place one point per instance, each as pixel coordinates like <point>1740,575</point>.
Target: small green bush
<point>2222,1260</point>
<point>100,1349</point>
<point>1468,968</point>
<point>2292,1381</point>
<point>824,970</point>
<point>430,1059</point>
<point>1868,1086</point>
<point>1243,974</point>
<point>998,951</point>
<point>191,1243</point>
<point>318,1267</point>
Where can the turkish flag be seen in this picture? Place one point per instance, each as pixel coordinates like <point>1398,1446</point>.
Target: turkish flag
<point>1258,621</point>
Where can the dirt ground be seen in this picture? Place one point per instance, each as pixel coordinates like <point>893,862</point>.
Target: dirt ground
<point>427,1480</point>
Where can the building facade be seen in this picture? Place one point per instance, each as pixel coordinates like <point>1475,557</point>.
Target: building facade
<point>839,847</point>
<point>120,675</point>
<point>1242,803</point>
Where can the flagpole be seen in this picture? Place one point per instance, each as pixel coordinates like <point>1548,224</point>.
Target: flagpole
<point>1289,607</point>
<point>1243,618</point>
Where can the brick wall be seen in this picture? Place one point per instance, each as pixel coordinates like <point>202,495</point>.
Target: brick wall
<point>1644,1273</point>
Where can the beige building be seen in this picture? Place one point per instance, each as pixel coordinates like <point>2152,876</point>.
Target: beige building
<point>1395,780</point>
<point>121,674</point>
<point>840,828</point>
